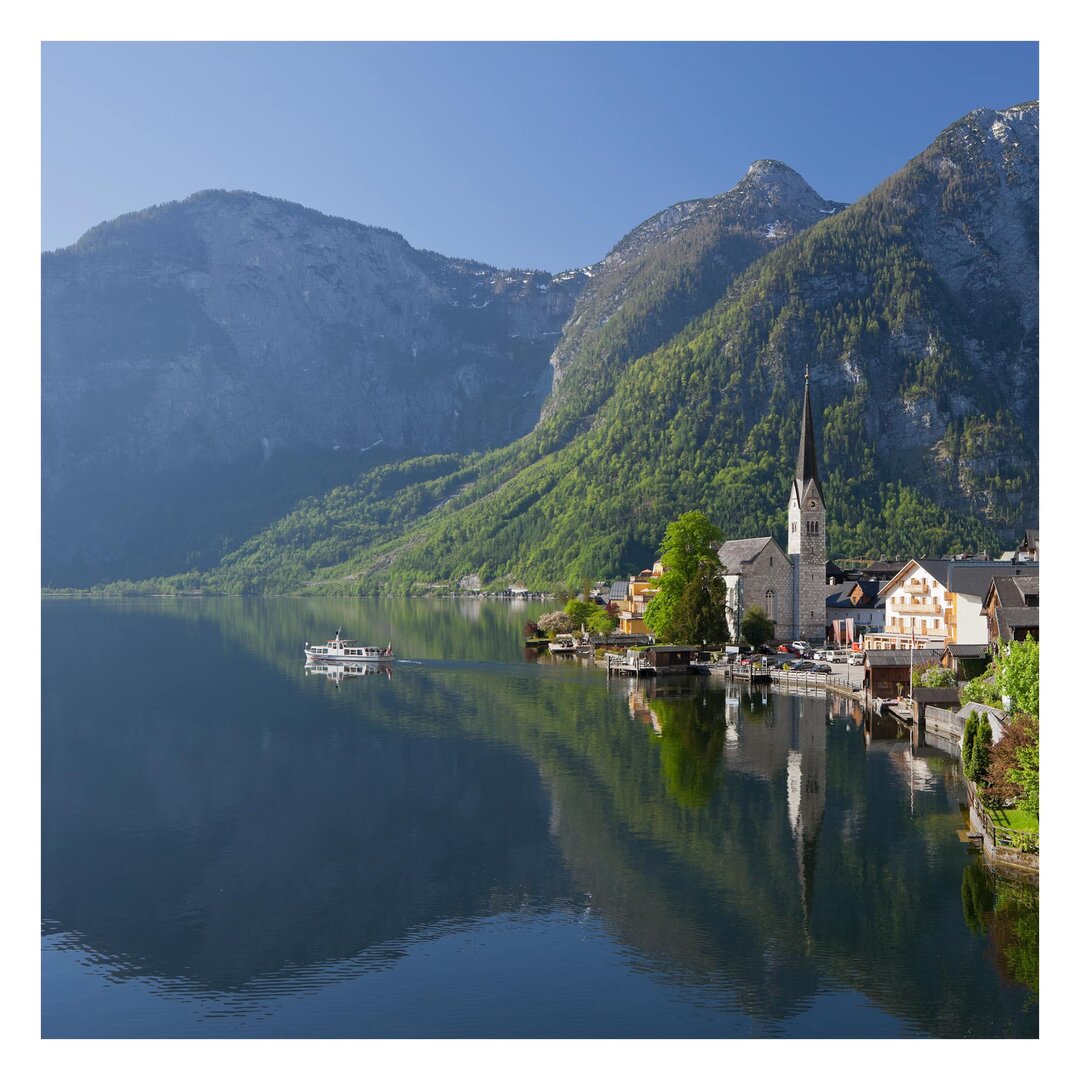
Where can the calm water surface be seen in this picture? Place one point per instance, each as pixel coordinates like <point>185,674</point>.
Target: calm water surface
<point>488,845</point>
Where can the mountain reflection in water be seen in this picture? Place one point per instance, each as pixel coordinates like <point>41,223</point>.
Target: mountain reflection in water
<point>226,835</point>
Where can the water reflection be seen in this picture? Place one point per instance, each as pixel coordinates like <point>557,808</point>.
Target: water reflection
<point>253,831</point>
<point>339,671</point>
<point>1006,910</point>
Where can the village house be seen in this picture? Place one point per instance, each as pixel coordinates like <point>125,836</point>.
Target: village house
<point>853,609</point>
<point>966,661</point>
<point>1011,608</point>
<point>632,599</point>
<point>938,602</point>
<point>1027,550</point>
<point>888,671</point>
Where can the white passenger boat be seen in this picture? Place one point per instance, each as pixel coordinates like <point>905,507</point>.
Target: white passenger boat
<point>339,648</point>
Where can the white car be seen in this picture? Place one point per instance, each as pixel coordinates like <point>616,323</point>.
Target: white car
<point>857,658</point>
<point>801,646</point>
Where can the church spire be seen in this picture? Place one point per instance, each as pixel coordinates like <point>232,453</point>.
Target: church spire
<point>806,466</point>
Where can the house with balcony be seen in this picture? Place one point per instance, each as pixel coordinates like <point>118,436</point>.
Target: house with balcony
<point>915,603</point>
<point>632,602</point>
<point>940,602</point>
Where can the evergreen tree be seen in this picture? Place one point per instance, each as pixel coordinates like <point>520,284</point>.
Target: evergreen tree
<point>757,628</point>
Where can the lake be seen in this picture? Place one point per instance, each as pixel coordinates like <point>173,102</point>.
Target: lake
<point>488,843</point>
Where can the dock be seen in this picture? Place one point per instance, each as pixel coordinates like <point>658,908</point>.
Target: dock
<point>631,663</point>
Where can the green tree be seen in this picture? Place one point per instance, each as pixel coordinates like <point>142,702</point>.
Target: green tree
<point>1019,667</point>
<point>687,542</point>
<point>757,628</point>
<point>980,751</point>
<point>601,620</point>
<point>983,689</point>
<point>701,613</point>
<point>967,743</point>
<point>580,611</point>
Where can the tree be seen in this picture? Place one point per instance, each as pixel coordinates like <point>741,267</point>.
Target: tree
<point>978,761</point>
<point>757,628</point>
<point>701,612</point>
<point>687,542</point>
<point>1004,785</point>
<point>1019,681</point>
<point>1025,774</point>
<point>556,622</point>
<point>601,620</point>
<point>983,690</point>
<point>580,611</point>
<point>967,742</point>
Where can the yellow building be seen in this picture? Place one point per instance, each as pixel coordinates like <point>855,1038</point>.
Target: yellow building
<point>632,609</point>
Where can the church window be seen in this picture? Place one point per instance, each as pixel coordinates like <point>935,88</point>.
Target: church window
<point>770,603</point>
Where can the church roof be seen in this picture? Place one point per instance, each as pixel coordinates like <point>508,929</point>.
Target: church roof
<point>806,465</point>
<point>734,552</point>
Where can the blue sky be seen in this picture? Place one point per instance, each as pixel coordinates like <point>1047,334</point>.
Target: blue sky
<point>518,154</point>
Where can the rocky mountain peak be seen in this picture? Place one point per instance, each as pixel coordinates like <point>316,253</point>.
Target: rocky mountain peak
<point>773,194</point>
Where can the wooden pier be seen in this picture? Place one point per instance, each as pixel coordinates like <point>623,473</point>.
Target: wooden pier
<point>631,663</point>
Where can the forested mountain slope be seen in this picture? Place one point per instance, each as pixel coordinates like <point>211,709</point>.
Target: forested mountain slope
<point>916,311</point>
<point>208,362</point>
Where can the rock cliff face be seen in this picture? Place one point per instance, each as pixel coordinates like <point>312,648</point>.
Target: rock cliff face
<point>967,367</point>
<point>186,347</point>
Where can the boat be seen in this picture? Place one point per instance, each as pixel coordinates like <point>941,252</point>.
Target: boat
<point>568,645</point>
<point>339,648</point>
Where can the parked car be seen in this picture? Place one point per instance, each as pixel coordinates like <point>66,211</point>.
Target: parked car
<point>857,658</point>
<point>822,669</point>
<point>783,648</point>
<point>818,654</point>
<point>767,650</point>
<point>802,665</point>
<point>833,654</point>
<point>801,646</point>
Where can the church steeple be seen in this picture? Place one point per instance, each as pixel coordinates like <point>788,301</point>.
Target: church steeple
<point>806,534</point>
<point>806,465</point>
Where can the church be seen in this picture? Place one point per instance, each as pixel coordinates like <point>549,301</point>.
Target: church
<point>789,587</point>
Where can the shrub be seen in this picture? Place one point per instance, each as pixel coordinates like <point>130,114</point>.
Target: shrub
<point>932,674</point>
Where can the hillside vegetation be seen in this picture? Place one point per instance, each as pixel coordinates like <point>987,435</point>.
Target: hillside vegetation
<point>915,310</point>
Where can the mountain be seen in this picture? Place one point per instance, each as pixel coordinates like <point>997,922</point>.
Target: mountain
<point>915,310</point>
<point>206,363</point>
<point>670,269</point>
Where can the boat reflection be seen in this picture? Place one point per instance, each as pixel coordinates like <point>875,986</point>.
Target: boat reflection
<point>338,671</point>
